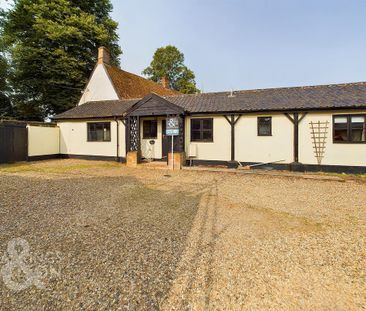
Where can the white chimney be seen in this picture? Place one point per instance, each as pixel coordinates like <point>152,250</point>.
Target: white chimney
<point>104,56</point>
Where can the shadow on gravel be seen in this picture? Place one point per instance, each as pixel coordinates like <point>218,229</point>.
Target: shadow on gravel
<point>202,261</point>
<point>117,242</point>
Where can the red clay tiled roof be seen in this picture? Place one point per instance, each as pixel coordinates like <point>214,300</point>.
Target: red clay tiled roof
<point>131,86</point>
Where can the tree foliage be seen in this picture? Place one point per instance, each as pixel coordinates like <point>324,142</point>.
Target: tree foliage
<point>169,62</point>
<point>53,48</point>
<point>6,109</point>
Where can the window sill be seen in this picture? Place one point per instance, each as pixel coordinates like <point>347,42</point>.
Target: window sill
<point>349,142</point>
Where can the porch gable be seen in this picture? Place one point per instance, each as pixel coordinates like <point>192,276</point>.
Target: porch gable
<point>154,105</point>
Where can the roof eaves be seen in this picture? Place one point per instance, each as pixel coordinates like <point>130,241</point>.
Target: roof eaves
<point>290,110</point>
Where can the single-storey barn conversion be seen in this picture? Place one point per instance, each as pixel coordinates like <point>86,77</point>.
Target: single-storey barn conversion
<point>122,116</point>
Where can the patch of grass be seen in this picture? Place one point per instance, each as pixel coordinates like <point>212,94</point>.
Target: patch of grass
<point>285,219</point>
<point>49,167</point>
<point>344,175</point>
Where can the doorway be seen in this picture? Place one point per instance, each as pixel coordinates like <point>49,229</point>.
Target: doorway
<point>166,141</point>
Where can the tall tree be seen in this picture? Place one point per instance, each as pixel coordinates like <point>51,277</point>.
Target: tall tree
<point>53,47</point>
<point>168,62</point>
<point>6,109</point>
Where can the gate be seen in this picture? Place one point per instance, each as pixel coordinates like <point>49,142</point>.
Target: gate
<point>13,142</point>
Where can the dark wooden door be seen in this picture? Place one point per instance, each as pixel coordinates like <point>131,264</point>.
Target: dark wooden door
<point>166,141</point>
<point>13,143</point>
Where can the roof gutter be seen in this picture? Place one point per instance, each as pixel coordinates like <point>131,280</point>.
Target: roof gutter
<point>87,118</point>
<point>117,151</point>
<point>228,113</point>
<point>125,114</point>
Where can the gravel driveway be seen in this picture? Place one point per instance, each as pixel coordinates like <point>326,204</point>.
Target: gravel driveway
<point>102,236</point>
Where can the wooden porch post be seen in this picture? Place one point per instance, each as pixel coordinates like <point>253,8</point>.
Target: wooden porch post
<point>232,121</point>
<point>295,120</point>
<point>232,124</point>
<point>296,137</point>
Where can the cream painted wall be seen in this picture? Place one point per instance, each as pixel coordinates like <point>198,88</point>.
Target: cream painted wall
<point>99,87</point>
<point>219,149</point>
<point>151,151</point>
<point>43,140</point>
<point>249,147</point>
<point>73,140</point>
<point>335,154</point>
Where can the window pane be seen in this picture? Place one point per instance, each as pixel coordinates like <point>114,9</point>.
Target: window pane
<point>358,119</point>
<point>93,135</point>
<point>264,130</point>
<point>358,135</point>
<point>196,124</point>
<point>150,129</point>
<point>100,134</point>
<point>196,135</point>
<point>207,124</point>
<point>107,134</point>
<point>340,120</point>
<point>264,126</point>
<point>358,129</point>
<point>207,135</point>
<point>146,129</point>
<point>154,129</point>
<point>340,134</point>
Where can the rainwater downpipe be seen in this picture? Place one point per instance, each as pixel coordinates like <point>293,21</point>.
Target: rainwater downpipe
<point>117,151</point>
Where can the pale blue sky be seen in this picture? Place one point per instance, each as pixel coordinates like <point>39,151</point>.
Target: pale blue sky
<point>233,44</point>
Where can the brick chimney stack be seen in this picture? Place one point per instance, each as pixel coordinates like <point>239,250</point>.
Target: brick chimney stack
<point>104,56</point>
<point>165,82</point>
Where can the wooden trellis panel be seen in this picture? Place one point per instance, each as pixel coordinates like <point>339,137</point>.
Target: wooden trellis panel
<point>133,132</point>
<point>180,146</point>
<point>319,132</point>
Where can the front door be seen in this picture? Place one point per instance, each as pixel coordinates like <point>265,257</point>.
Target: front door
<point>166,141</point>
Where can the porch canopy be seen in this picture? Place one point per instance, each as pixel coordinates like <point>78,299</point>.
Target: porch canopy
<point>152,105</point>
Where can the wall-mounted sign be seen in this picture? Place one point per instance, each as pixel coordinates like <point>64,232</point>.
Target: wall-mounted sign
<point>172,126</point>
